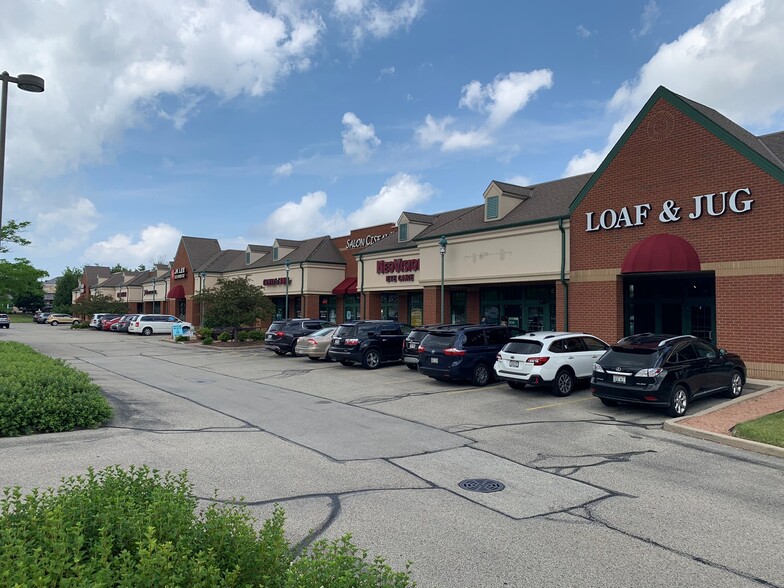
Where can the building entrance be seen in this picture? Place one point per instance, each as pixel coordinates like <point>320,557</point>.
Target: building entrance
<point>674,304</point>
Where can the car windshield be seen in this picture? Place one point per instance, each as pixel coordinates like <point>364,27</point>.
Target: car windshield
<point>630,357</point>
<point>523,347</point>
<point>323,332</point>
<point>438,340</point>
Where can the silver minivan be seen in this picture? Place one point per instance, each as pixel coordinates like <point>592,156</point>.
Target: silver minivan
<point>147,324</point>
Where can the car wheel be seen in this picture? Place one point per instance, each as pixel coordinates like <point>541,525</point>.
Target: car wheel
<point>481,375</point>
<point>54,323</point>
<point>294,348</point>
<point>147,331</point>
<point>736,385</point>
<point>411,366</point>
<point>346,362</point>
<point>76,322</point>
<point>371,359</point>
<point>679,402</point>
<point>563,383</point>
<point>279,352</point>
<point>609,402</point>
<point>516,385</point>
<point>311,358</point>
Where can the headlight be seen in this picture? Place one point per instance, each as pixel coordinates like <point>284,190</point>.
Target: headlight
<point>598,368</point>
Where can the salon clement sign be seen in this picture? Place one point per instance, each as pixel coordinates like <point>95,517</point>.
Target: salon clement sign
<point>635,216</point>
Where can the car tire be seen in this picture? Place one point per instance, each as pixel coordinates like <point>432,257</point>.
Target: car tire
<point>147,331</point>
<point>516,385</point>
<point>279,352</point>
<point>480,375</point>
<point>346,362</point>
<point>411,366</point>
<point>75,322</point>
<point>311,358</point>
<point>609,402</point>
<point>736,385</point>
<point>294,348</point>
<point>679,402</point>
<point>54,323</point>
<point>563,384</point>
<point>371,359</point>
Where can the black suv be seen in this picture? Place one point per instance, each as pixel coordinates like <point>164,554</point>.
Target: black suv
<point>464,352</point>
<point>370,343</point>
<point>282,335</point>
<point>666,370</point>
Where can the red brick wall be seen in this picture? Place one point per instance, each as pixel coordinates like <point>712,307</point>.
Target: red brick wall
<point>690,161</point>
<point>348,254</point>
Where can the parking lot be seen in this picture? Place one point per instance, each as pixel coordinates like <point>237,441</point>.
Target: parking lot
<point>592,495</point>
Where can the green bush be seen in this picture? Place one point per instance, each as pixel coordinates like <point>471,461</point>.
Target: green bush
<point>141,528</point>
<point>256,335</point>
<point>242,336</point>
<point>206,341</point>
<point>204,332</point>
<point>85,325</point>
<point>182,338</point>
<point>225,336</point>
<point>39,394</point>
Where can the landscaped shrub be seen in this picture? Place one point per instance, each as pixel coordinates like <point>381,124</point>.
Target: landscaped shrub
<point>182,338</point>
<point>256,335</point>
<point>85,325</point>
<point>39,394</point>
<point>225,336</point>
<point>206,341</point>
<point>204,332</point>
<point>242,336</point>
<point>141,528</point>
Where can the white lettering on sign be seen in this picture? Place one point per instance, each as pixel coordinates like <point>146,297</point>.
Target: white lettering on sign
<point>179,273</point>
<point>364,241</point>
<point>712,204</point>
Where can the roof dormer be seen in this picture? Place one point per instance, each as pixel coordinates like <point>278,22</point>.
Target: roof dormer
<point>502,198</point>
<point>253,253</point>
<point>410,224</point>
<point>282,247</point>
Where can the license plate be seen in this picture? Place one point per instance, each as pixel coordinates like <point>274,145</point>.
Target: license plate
<point>413,345</point>
<point>513,363</point>
<point>619,379</point>
<point>433,360</point>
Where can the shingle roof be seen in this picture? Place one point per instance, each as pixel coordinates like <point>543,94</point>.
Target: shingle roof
<point>141,278</point>
<point>774,142</point>
<point>116,279</point>
<point>315,250</point>
<point>199,250</point>
<point>288,242</point>
<point>96,273</point>
<point>416,217</point>
<point>260,248</point>
<point>513,189</point>
<point>225,261</point>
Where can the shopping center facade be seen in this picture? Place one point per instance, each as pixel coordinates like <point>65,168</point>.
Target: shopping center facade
<point>679,230</point>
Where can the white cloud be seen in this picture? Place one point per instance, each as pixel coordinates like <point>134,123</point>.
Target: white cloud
<point>359,139</point>
<point>367,18</point>
<point>156,242</point>
<point>650,14</point>
<point>105,82</point>
<point>500,100</point>
<point>284,169</point>
<point>400,192</point>
<point>729,62</point>
<point>583,32</point>
<point>519,181</point>
<point>65,228</point>
<point>386,72</point>
<point>349,6</point>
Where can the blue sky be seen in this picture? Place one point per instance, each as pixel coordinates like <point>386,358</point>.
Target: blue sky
<point>296,118</point>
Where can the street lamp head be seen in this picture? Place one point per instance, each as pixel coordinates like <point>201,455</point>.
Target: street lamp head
<point>287,264</point>
<point>202,275</point>
<point>442,244</point>
<point>30,83</point>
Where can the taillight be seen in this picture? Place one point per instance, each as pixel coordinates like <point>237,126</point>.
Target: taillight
<point>537,360</point>
<point>498,357</point>
<point>279,334</point>
<point>451,351</point>
<point>650,373</point>
<point>421,349</point>
<point>136,324</point>
<point>312,342</point>
<point>352,341</point>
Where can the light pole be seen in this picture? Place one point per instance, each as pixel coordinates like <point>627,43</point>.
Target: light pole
<point>202,278</point>
<point>288,267</point>
<point>28,83</point>
<point>154,292</point>
<point>442,251</point>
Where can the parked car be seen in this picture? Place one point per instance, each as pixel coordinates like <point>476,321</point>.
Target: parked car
<point>121,326</point>
<point>5,322</point>
<point>556,359</point>
<point>42,318</point>
<point>411,344</point>
<point>107,324</point>
<point>667,371</point>
<point>369,343</point>
<point>463,352</point>
<point>57,318</point>
<point>315,345</point>
<point>147,324</point>
<point>282,335</point>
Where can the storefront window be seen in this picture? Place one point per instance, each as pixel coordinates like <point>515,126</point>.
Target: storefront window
<point>389,307</point>
<point>415,310</point>
<point>328,308</point>
<point>351,307</point>
<point>457,303</point>
<point>528,307</point>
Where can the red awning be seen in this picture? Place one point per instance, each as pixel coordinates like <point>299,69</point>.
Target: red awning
<point>661,253</point>
<point>347,286</point>
<point>176,292</point>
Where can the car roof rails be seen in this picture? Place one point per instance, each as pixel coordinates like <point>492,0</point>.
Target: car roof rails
<point>676,338</point>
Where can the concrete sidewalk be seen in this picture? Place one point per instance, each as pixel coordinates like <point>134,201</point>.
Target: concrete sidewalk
<point>715,424</point>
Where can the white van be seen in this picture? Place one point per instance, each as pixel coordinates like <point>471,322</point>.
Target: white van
<point>147,324</point>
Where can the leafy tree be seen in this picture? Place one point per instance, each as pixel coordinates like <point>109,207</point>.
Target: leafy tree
<point>141,268</point>
<point>31,299</point>
<point>19,277</point>
<point>98,303</point>
<point>68,282</point>
<point>9,233</point>
<point>116,268</point>
<point>233,303</point>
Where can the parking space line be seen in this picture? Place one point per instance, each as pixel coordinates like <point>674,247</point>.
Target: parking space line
<point>559,403</point>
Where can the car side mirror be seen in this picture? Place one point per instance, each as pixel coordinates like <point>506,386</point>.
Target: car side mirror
<point>722,352</point>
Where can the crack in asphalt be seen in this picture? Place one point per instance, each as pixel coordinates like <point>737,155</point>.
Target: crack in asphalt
<point>569,470</point>
<point>246,429</point>
<point>371,400</point>
<point>603,420</point>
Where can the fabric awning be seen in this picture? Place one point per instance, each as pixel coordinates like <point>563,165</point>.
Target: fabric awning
<point>347,286</point>
<point>176,292</point>
<point>661,253</point>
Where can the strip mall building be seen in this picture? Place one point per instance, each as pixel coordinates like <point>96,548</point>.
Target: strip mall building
<point>679,230</point>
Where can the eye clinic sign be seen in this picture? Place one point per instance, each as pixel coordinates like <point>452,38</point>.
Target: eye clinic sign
<point>711,204</point>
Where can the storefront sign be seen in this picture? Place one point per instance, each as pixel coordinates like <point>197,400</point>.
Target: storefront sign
<point>122,294</point>
<point>149,292</point>
<point>397,266</point>
<point>179,273</point>
<point>364,241</point>
<point>276,281</point>
<point>712,204</point>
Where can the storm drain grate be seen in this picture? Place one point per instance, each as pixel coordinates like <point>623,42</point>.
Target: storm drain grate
<point>482,485</point>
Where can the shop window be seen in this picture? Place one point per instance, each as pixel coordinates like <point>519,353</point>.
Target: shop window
<point>491,208</point>
<point>247,258</point>
<point>402,232</point>
<point>274,254</point>
<point>458,307</point>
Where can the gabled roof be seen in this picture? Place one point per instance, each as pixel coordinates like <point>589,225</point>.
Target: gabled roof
<point>141,278</point>
<point>315,250</point>
<point>416,217</point>
<point>775,142</point>
<point>114,280</point>
<point>512,189</point>
<point>95,273</point>
<point>225,261</point>
<point>764,152</point>
<point>288,242</point>
<point>199,249</point>
<point>259,248</point>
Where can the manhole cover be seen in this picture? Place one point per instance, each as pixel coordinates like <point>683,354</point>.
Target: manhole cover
<point>482,485</point>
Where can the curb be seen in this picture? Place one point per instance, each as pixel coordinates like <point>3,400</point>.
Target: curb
<point>674,425</point>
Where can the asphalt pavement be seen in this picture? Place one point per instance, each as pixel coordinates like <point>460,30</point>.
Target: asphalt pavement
<point>585,495</point>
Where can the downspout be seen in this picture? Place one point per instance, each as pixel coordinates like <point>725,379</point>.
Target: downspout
<point>564,283</point>
<point>362,288</point>
<point>302,289</point>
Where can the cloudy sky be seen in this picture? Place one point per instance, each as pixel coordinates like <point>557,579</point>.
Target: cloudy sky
<point>250,120</point>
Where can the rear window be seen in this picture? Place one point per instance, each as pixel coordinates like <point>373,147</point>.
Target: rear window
<point>276,326</point>
<point>345,330</point>
<point>630,357</point>
<point>323,332</point>
<point>523,347</point>
<point>439,340</point>
<point>416,335</point>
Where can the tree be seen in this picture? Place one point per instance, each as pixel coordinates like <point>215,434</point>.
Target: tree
<point>98,303</point>
<point>233,303</point>
<point>31,299</point>
<point>116,268</point>
<point>66,284</point>
<point>18,278</point>
<point>9,233</point>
